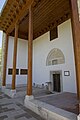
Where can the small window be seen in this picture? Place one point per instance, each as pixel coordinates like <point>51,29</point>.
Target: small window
<point>54,62</point>
<point>17,71</point>
<point>53,34</point>
<point>10,71</point>
<point>23,71</point>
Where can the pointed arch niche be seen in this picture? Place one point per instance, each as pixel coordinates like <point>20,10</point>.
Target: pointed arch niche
<point>55,57</point>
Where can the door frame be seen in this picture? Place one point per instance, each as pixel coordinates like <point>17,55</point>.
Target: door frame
<point>51,79</point>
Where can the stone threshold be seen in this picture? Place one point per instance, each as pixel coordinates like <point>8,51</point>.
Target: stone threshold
<point>49,112</point>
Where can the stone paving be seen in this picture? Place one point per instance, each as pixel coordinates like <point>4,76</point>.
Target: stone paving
<point>67,101</point>
<point>21,91</point>
<point>13,109</point>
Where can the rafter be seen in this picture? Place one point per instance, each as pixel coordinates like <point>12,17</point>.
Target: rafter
<point>46,15</point>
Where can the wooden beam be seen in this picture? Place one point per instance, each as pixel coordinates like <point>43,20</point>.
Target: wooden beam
<point>15,56</point>
<point>5,61</point>
<point>52,25</point>
<point>30,42</point>
<point>76,41</point>
<point>20,15</point>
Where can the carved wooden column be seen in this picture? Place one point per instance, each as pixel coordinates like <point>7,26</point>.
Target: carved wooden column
<point>30,42</point>
<point>15,56</point>
<point>5,61</point>
<point>76,41</point>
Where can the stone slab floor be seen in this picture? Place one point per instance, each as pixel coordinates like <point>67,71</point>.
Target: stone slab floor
<point>13,109</point>
<point>66,101</point>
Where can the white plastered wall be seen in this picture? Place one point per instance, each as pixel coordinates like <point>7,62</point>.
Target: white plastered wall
<point>41,47</point>
<point>22,61</point>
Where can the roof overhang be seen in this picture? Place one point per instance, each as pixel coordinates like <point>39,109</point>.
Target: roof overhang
<point>47,14</point>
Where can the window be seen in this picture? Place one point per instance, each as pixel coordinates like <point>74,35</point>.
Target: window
<point>10,71</point>
<point>54,62</point>
<point>53,34</point>
<point>17,71</point>
<point>23,71</point>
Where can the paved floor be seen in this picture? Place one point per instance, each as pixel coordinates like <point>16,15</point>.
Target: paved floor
<point>21,91</point>
<point>66,101</point>
<point>13,109</point>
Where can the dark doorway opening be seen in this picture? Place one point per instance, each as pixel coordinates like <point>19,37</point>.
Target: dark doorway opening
<point>56,83</point>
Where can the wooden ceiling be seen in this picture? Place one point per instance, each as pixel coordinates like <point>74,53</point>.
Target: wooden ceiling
<point>47,14</point>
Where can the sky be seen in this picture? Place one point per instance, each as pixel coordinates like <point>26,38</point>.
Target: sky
<point>1,5</point>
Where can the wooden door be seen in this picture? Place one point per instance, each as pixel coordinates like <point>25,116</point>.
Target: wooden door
<point>56,83</point>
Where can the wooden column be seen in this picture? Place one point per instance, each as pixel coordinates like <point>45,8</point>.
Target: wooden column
<point>5,61</point>
<point>76,41</point>
<point>30,42</point>
<point>14,57</point>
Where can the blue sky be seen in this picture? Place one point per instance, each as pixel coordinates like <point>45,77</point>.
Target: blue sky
<point>1,5</point>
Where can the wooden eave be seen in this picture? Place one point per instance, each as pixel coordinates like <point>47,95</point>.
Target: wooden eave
<point>47,14</point>
<point>13,12</point>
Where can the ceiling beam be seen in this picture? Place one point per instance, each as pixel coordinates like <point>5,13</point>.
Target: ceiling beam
<point>20,16</point>
<point>52,25</point>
